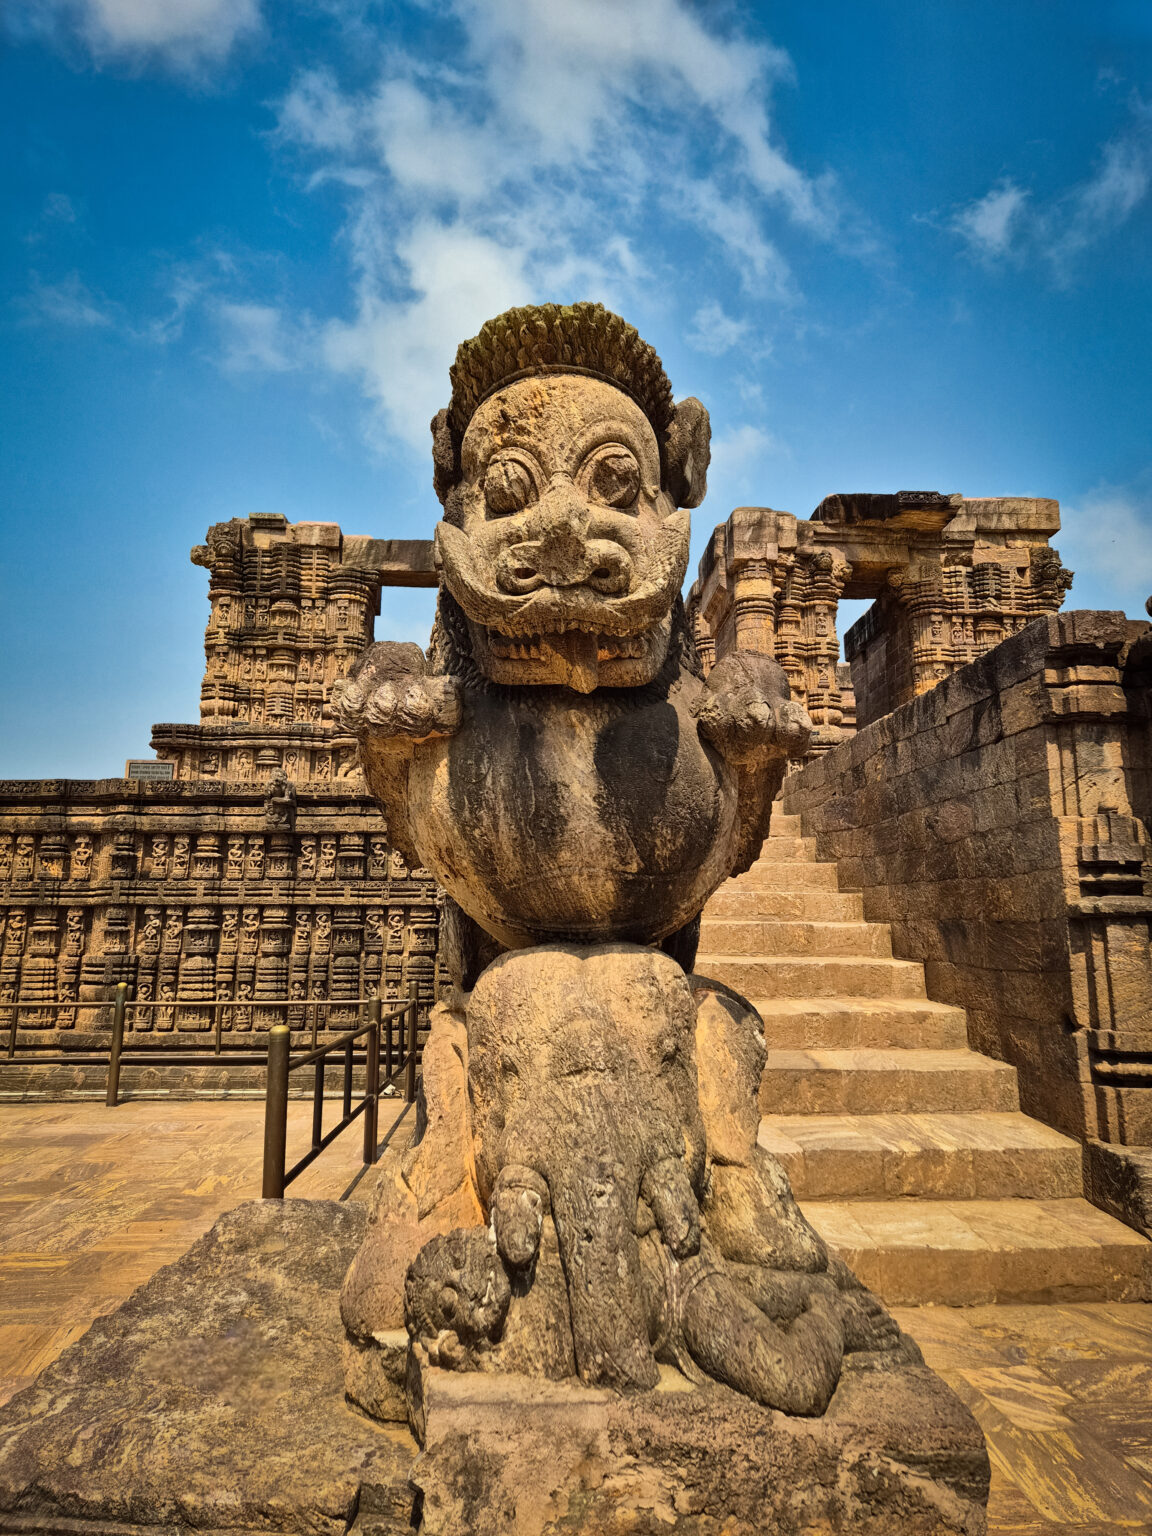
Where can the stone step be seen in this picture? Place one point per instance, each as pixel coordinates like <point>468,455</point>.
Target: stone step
<point>827,976</point>
<point>972,1252</point>
<point>806,905</point>
<point>979,1155</point>
<point>784,848</point>
<point>882,1082</point>
<point>782,825</point>
<point>755,936</point>
<point>796,875</point>
<point>847,1023</point>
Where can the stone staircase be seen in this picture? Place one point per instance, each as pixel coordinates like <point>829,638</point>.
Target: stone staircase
<point>907,1150</point>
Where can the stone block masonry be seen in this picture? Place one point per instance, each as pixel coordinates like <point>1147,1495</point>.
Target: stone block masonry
<point>200,891</point>
<point>1000,824</point>
<point>260,871</point>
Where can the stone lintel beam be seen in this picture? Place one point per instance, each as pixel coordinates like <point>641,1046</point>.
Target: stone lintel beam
<point>1033,517</point>
<point>394,562</point>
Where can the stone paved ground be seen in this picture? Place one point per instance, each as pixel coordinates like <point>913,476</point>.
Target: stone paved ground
<point>1064,1396</point>
<point>93,1200</point>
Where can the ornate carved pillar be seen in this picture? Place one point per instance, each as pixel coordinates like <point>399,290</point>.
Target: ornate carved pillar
<point>271,977</point>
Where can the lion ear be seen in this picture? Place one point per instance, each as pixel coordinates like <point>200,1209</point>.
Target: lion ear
<point>445,456</point>
<point>687,451</point>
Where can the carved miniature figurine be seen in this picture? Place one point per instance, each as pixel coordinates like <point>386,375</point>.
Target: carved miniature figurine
<point>588,1197</point>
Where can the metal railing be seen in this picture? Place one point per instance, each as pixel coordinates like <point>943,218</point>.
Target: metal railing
<point>115,1055</point>
<point>280,1064</point>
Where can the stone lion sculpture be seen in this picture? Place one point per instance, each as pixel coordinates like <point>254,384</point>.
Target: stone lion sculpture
<point>586,1196</point>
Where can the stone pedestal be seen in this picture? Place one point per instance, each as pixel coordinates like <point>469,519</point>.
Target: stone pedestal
<point>895,1455</point>
<point>214,1399</point>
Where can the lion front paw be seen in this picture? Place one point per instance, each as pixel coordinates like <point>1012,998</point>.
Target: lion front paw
<point>746,714</point>
<point>390,693</point>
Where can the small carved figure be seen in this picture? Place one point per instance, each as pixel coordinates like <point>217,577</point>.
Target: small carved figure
<point>180,852</point>
<point>256,858</point>
<point>327,858</point>
<point>5,858</point>
<point>306,864</point>
<point>280,806</point>
<point>323,929</point>
<point>235,867</point>
<point>81,857</point>
<point>25,853</point>
<point>229,925</point>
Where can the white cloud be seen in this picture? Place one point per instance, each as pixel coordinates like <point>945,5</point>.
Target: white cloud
<point>69,302</point>
<point>714,331</point>
<point>401,351</point>
<point>737,470</point>
<point>531,165</point>
<point>257,338</point>
<point>1006,223</point>
<point>184,34</point>
<point>315,112</point>
<point>1106,538</point>
<point>1107,199</point>
<point>989,224</point>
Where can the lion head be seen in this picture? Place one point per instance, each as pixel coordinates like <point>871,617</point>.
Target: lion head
<point>565,472</point>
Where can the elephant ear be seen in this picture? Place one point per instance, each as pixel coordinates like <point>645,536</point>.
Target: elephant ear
<point>687,451</point>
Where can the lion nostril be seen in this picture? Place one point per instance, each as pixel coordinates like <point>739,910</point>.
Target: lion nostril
<point>523,572</point>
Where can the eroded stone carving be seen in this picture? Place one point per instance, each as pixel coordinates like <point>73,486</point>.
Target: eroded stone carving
<point>587,1197</point>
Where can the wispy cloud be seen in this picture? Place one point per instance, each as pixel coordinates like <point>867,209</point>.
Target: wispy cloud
<point>186,35</point>
<point>714,331</point>
<point>69,302</point>
<point>1008,224</point>
<point>738,460</point>
<point>258,338</point>
<point>534,164</point>
<point>990,224</point>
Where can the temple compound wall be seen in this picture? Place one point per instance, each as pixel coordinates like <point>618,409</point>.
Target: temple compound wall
<point>260,871</point>
<point>950,577</point>
<point>1000,824</point>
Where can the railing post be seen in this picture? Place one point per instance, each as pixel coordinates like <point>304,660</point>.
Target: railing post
<point>372,1082</point>
<point>276,1112</point>
<point>410,1064</point>
<point>219,1026</point>
<point>112,1097</point>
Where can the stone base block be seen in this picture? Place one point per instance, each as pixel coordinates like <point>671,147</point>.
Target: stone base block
<point>1119,1180</point>
<point>896,1455</point>
<point>212,1399</point>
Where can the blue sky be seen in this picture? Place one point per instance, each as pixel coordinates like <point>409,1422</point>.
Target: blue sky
<point>896,244</point>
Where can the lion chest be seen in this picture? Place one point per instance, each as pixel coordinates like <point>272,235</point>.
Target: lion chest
<point>574,817</point>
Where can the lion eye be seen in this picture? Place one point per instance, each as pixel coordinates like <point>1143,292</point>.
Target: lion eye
<point>507,488</point>
<point>614,478</point>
